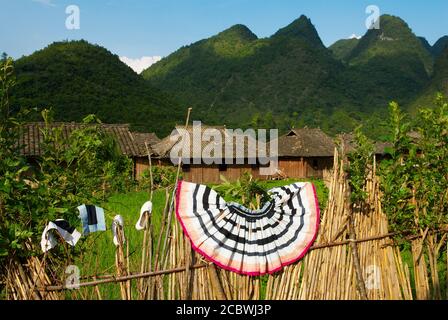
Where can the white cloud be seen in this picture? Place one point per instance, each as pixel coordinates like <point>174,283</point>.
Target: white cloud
<point>140,64</point>
<point>45,2</point>
<point>354,36</point>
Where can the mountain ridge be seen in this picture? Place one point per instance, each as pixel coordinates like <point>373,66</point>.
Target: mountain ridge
<point>294,78</point>
<point>289,79</point>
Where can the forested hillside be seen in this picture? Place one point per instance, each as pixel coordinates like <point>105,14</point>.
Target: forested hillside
<point>289,79</point>
<point>292,79</point>
<point>77,78</point>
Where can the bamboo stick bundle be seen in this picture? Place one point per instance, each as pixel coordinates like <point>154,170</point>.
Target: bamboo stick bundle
<point>42,278</point>
<point>226,283</point>
<point>387,278</point>
<point>335,264</point>
<point>121,264</point>
<point>434,245</point>
<point>325,267</point>
<point>22,283</point>
<point>198,292</point>
<point>157,284</point>
<point>420,270</point>
<point>145,285</point>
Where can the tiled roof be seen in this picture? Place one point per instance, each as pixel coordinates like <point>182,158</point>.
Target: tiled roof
<point>305,142</point>
<point>149,138</point>
<point>32,137</point>
<point>164,147</point>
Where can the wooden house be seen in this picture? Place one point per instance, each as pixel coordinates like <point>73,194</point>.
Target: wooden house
<point>130,143</point>
<point>305,153</point>
<point>144,141</point>
<point>203,169</point>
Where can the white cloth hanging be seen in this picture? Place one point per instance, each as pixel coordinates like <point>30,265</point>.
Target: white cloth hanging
<point>68,233</point>
<point>146,210</point>
<point>117,226</point>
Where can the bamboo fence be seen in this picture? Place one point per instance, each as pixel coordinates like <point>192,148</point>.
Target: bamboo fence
<point>354,257</point>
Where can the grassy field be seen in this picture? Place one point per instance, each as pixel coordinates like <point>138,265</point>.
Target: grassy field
<point>99,251</point>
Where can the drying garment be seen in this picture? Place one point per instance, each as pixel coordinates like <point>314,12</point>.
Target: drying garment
<point>245,241</point>
<point>92,219</point>
<point>117,228</point>
<point>145,211</point>
<point>67,232</point>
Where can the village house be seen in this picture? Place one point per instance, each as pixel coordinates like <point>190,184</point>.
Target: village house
<point>131,144</point>
<point>302,153</point>
<point>206,161</point>
<point>305,153</point>
<point>144,141</point>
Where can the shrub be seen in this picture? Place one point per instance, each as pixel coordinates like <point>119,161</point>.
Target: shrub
<point>163,177</point>
<point>84,168</point>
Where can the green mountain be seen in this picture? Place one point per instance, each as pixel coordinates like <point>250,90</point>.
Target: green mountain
<point>77,78</point>
<point>438,83</point>
<point>393,39</point>
<point>440,46</point>
<point>291,79</point>
<point>396,62</point>
<point>303,29</point>
<point>390,63</point>
<point>233,77</point>
<point>425,44</point>
<point>342,48</point>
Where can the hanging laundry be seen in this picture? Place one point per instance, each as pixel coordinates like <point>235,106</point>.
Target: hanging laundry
<point>117,229</point>
<point>67,232</point>
<point>145,212</point>
<point>92,219</point>
<point>245,241</point>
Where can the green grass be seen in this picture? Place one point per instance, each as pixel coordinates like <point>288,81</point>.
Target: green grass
<point>98,256</point>
<point>99,253</point>
<point>406,255</point>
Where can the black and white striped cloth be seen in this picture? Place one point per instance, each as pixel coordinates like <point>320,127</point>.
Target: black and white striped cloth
<point>245,241</point>
<point>65,231</point>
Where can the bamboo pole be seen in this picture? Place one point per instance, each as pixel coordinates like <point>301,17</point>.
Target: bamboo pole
<point>216,283</point>
<point>122,278</point>
<point>179,165</point>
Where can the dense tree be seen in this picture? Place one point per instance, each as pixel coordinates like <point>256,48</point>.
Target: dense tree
<point>77,78</point>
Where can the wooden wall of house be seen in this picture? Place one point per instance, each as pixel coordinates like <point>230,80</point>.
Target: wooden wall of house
<point>212,174</point>
<point>295,168</point>
<point>142,163</point>
<point>302,168</point>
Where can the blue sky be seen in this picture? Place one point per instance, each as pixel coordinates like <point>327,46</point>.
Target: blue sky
<point>136,28</point>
